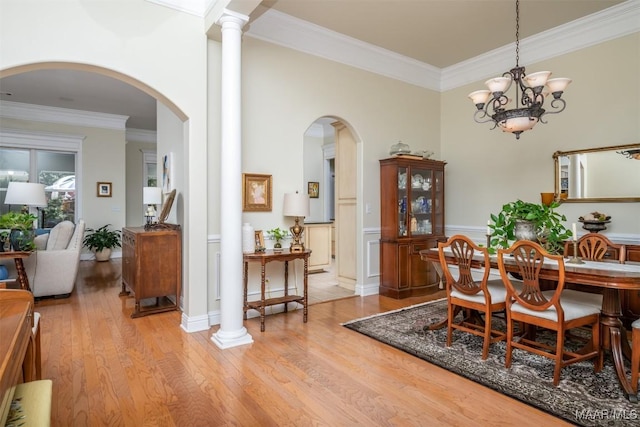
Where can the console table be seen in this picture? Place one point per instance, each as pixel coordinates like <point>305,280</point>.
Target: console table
<point>152,268</point>
<point>269,256</point>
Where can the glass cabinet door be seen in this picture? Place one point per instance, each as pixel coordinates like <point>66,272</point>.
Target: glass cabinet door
<point>421,202</point>
<point>438,202</point>
<point>403,209</point>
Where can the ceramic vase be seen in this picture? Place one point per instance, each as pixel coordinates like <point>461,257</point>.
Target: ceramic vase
<point>248,239</point>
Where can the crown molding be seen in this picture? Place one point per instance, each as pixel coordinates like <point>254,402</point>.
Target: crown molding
<point>293,33</point>
<point>40,139</point>
<point>287,31</point>
<point>40,113</point>
<point>609,24</point>
<point>141,135</point>
<point>192,7</point>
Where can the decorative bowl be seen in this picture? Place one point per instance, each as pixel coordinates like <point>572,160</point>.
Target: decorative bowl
<point>400,148</point>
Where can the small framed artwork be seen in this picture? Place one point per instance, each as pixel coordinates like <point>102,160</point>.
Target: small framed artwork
<point>167,173</point>
<point>256,192</point>
<point>104,189</point>
<point>313,189</point>
<point>259,239</point>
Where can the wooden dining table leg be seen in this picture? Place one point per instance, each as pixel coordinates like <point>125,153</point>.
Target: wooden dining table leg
<point>614,338</point>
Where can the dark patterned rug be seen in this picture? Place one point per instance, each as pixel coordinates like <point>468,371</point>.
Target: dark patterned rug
<point>582,397</point>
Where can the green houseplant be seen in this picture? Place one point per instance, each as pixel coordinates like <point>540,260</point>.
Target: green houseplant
<point>21,229</point>
<point>102,241</point>
<point>278,234</point>
<point>547,225</point>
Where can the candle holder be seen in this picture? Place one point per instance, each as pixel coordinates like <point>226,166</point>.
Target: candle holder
<point>575,259</point>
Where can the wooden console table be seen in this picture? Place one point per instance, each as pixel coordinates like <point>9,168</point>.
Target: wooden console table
<point>152,268</point>
<point>264,258</point>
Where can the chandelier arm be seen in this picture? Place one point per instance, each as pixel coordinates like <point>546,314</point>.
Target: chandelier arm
<point>558,108</point>
<point>481,116</point>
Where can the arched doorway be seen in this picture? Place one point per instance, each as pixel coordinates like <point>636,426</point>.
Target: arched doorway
<point>330,163</point>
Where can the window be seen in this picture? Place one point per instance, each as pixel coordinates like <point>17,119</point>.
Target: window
<point>44,158</point>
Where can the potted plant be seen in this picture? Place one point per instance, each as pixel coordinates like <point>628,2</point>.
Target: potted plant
<point>278,234</point>
<point>21,233</point>
<point>545,224</point>
<point>102,241</point>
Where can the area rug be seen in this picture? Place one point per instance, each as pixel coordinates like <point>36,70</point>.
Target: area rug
<point>582,397</point>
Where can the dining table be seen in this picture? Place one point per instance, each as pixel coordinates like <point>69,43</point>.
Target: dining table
<point>611,278</point>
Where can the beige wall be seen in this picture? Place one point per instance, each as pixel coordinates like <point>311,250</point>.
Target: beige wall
<point>487,168</point>
<point>285,91</point>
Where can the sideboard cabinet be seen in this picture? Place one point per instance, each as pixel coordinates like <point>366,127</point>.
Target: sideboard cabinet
<point>152,268</point>
<point>412,219</point>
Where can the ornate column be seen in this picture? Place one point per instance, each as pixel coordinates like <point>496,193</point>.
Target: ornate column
<point>232,332</point>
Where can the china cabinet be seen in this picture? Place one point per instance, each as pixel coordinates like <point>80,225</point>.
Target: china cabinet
<point>412,219</point>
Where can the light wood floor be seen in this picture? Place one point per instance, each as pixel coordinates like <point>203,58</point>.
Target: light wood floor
<point>111,370</point>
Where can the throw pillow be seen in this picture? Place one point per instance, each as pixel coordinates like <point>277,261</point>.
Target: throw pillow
<point>60,235</point>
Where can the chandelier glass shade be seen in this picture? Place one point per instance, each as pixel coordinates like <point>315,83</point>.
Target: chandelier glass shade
<point>531,92</point>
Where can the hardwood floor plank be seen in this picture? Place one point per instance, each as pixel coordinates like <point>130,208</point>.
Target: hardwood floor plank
<point>111,370</point>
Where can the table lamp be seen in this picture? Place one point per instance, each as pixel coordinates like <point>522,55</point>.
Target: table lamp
<point>26,194</point>
<point>296,205</point>
<point>151,196</point>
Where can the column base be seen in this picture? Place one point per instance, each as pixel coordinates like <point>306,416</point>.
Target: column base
<point>226,340</point>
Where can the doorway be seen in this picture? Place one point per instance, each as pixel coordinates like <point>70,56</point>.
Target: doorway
<point>330,159</point>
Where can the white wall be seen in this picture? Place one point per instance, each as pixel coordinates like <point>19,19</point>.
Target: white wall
<point>161,51</point>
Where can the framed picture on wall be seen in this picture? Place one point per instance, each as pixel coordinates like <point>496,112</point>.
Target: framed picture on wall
<point>313,189</point>
<point>167,173</point>
<point>256,192</point>
<point>104,189</point>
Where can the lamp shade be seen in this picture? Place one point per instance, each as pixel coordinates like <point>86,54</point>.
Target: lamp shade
<point>151,195</point>
<point>296,204</point>
<point>25,193</point>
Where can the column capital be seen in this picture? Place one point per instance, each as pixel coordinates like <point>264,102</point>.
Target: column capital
<point>231,17</point>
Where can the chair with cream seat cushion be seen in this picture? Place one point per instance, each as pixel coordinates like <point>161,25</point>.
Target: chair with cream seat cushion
<point>481,297</point>
<point>595,247</point>
<point>52,268</point>
<point>558,310</point>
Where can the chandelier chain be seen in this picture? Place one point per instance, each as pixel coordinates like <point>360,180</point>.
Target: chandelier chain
<point>517,33</point>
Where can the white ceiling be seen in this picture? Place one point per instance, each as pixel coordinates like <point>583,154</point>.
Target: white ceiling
<point>440,33</point>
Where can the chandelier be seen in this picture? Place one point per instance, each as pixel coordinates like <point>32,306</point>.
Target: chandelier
<point>531,91</point>
<point>630,154</point>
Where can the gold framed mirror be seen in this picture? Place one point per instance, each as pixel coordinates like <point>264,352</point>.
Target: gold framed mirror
<point>604,174</point>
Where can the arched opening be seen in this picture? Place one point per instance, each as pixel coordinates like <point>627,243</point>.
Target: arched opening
<point>330,165</point>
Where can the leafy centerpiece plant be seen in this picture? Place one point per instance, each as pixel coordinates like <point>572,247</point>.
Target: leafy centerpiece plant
<point>102,241</point>
<point>546,223</point>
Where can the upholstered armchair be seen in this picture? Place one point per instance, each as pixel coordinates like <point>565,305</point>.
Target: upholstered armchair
<point>52,268</point>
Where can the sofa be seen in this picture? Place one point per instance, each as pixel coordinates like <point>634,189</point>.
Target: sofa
<point>52,268</point>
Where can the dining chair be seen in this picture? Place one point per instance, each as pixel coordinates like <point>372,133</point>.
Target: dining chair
<point>478,297</point>
<point>594,247</point>
<point>635,355</point>
<point>558,309</point>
